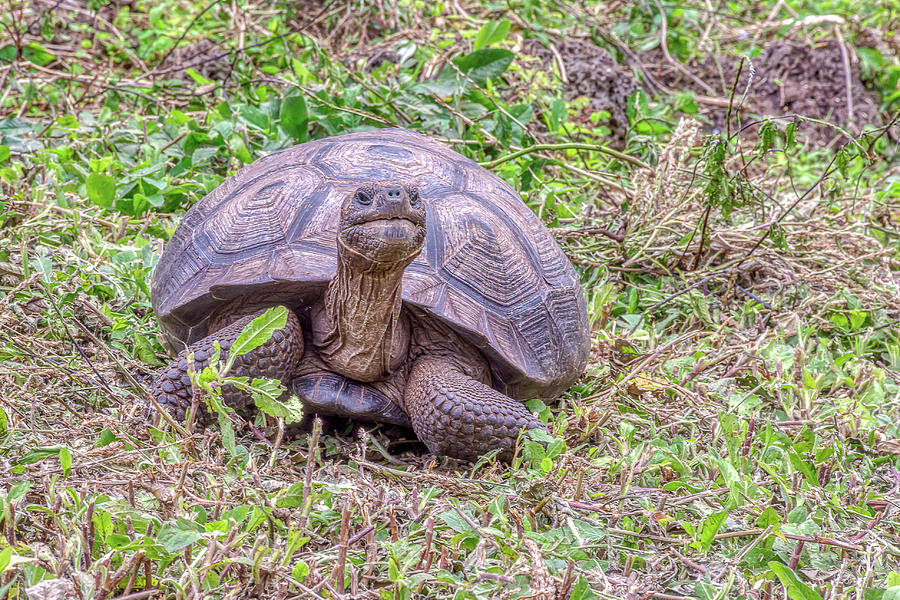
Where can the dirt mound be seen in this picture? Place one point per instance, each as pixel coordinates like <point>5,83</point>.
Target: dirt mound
<point>787,78</point>
<point>203,56</point>
<point>590,71</point>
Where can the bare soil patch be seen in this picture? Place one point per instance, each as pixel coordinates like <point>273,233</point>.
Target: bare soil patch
<point>788,78</point>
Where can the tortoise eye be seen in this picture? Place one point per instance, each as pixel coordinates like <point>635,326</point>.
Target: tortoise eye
<point>413,197</point>
<point>363,197</point>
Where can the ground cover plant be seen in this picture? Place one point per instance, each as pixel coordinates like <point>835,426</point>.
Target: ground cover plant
<point>723,175</point>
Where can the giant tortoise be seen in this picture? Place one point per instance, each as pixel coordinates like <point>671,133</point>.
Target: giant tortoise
<point>421,290</point>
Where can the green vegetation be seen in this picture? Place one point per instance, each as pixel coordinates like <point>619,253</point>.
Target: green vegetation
<point>736,435</point>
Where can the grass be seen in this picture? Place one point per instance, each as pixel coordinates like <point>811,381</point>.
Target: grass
<point>734,436</point>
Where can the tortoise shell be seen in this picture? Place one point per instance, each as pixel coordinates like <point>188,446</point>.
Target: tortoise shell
<point>489,268</point>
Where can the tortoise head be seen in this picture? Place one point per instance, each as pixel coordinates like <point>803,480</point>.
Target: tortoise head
<point>383,222</point>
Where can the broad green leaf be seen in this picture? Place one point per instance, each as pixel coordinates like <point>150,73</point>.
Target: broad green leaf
<point>291,410</point>
<point>485,64</point>
<point>35,53</point>
<point>18,491</point>
<point>144,350</point>
<point>581,590</point>
<point>4,154</point>
<point>295,117</point>
<point>393,571</point>
<point>39,454</point>
<point>491,32</point>
<point>292,496</point>
<point>790,135</point>
<point>456,522</point>
<point>711,526</point>
<point>65,461</point>
<point>227,432</point>
<point>768,517</point>
<point>799,464</point>
<point>197,77</point>
<point>101,189</point>
<point>254,117</point>
<point>796,589</point>
<point>106,438</point>
<point>891,593</point>
<point>258,331</point>
<point>685,102</point>
<point>174,538</point>
<point>202,155</point>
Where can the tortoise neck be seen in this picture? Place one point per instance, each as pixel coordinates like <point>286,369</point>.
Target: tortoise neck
<point>362,334</point>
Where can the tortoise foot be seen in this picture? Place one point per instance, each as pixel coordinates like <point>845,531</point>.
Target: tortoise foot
<point>276,359</point>
<point>455,415</point>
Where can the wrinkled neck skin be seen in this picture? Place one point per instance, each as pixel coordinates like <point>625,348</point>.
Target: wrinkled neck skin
<point>361,332</point>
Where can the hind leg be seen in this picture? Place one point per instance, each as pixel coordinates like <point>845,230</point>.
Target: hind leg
<point>276,359</point>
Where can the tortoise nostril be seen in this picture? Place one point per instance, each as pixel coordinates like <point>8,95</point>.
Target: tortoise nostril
<point>394,192</point>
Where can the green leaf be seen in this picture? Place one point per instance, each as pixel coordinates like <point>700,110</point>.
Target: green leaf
<point>456,522</point>
<point>5,558</point>
<point>254,117</point>
<point>768,517</point>
<point>491,32</point>
<point>39,454</point>
<point>485,64</point>
<point>291,410</point>
<point>790,135</point>
<point>686,102</point>
<point>258,331</point>
<point>227,432</point>
<point>711,526</point>
<point>799,464</point>
<point>295,117</point>
<point>796,589</point>
<point>393,571</point>
<point>144,350</point>
<point>766,136</point>
<point>18,491</point>
<point>300,571</point>
<point>197,77</point>
<point>65,461</point>
<point>106,438</point>
<point>581,590</point>
<point>4,154</point>
<point>202,155</point>
<point>843,161</point>
<point>101,189</point>
<point>292,496</point>
<point>35,53</point>
<point>4,422</point>
<point>174,538</point>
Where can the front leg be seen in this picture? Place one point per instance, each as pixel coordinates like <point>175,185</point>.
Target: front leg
<point>456,415</point>
<point>276,359</point>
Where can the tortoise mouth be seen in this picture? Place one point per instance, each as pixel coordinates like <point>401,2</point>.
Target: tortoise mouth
<point>412,218</point>
<point>384,239</point>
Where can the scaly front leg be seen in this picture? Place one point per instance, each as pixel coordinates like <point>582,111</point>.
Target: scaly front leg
<point>456,415</point>
<point>276,359</point>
